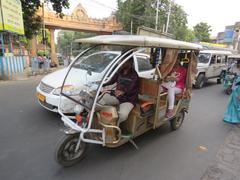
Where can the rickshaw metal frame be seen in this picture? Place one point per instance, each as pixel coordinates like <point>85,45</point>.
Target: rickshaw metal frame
<point>122,59</point>
<point>73,125</point>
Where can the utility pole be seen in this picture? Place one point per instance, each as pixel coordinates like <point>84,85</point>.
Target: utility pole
<point>236,44</point>
<point>71,50</point>
<point>168,17</point>
<point>131,26</point>
<point>156,23</point>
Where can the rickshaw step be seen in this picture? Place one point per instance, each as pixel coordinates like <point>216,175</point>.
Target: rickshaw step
<point>127,136</point>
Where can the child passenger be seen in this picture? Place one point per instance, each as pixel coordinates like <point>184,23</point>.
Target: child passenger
<point>174,84</point>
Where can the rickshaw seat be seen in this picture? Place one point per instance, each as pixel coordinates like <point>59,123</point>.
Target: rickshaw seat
<point>148,87</point>
<point>143,108</point>
<point>178,96</point>
<point>183,94</point>
<point>144,104</point>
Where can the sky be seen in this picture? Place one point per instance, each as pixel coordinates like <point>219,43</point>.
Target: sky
<point>217,13</point>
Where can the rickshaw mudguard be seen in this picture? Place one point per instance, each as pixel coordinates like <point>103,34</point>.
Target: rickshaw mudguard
<point>77,129</point>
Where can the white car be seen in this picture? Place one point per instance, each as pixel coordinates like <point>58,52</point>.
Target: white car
<point>49,88</point>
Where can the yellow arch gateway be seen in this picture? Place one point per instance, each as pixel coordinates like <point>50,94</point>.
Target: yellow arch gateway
<point>140,41</point>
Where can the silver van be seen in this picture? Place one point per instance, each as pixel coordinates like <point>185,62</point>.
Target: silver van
<point>211,64</point>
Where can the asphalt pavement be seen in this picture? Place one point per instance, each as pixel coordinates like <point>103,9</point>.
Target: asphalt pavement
<point>198,150</point>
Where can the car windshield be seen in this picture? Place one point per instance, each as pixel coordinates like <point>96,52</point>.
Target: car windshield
<point>96,62</point>
<point>203,57</point>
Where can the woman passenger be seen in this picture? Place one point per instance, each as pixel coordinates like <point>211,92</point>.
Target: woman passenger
<point>174,84</point>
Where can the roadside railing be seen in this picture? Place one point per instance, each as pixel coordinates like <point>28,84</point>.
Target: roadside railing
<point>40,66</point>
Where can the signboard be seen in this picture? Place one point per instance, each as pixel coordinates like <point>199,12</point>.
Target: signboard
<point>228,34</point>
<point>142,30</point>
<point>214,44</point>
<point>1,22</point>
<point>12,16</point>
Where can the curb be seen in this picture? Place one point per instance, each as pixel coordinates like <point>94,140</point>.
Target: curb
<point>28,74</point>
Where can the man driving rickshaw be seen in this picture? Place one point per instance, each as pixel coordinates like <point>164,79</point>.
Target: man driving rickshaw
<point>126,93</point>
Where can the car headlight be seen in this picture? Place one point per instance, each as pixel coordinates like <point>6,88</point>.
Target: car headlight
<point>69,90</point>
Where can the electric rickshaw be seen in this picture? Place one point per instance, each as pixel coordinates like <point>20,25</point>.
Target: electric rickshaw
<point>95,123</point>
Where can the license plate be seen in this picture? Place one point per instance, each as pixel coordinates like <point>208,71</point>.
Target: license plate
<point>41,97</point>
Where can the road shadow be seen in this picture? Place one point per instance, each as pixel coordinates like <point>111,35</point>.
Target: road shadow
<point>208,84</point>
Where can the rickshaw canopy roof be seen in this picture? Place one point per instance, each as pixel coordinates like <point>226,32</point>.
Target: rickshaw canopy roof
<point>140,41</point>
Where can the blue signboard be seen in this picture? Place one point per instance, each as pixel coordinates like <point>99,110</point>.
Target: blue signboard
<point>228,36</point>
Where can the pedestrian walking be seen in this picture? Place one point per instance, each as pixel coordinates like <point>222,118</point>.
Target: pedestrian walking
<point>232,112</point>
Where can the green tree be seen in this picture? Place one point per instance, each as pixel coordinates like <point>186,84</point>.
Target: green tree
<point>202,31</point>
<point>178,23</point>
<point>190,36</point>
<point>143,12</point>
<point>131,11</point>
<point>32,22</point>
<point>66,44</point>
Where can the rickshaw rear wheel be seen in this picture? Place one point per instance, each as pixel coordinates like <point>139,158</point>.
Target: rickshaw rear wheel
<point>178,120</point>
<point>65,153</point>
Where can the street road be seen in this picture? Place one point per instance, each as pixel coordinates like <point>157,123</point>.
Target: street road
<point>28,135</point>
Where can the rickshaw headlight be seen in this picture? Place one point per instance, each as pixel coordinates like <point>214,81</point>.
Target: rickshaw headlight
<point>78,109</point>
<point>68,90</point>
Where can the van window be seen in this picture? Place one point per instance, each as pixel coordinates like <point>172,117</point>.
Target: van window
<point>213,59</point>
<point>203,57</point>
<point>143,64</point>
<point>219,58</point>
<point>224,59</point>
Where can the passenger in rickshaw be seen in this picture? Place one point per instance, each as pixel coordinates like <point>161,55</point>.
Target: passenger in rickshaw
<point>126,93</point>
<point>174,84</point>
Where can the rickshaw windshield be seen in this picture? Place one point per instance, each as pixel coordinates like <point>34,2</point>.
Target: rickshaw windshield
<point>96,62</point>
<point>86,73</point>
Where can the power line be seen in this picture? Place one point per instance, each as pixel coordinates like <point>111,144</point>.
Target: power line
<point>142,18</point>
<point>104,5</point>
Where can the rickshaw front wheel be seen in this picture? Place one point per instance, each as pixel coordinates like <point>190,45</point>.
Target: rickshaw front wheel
<point>66,154</point>
<point>178,120</point>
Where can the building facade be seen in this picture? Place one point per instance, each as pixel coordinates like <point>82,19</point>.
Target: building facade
<point>230,36</point>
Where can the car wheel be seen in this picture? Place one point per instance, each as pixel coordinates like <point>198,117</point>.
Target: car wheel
<point>219,80</point>
<point>200,82</point>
